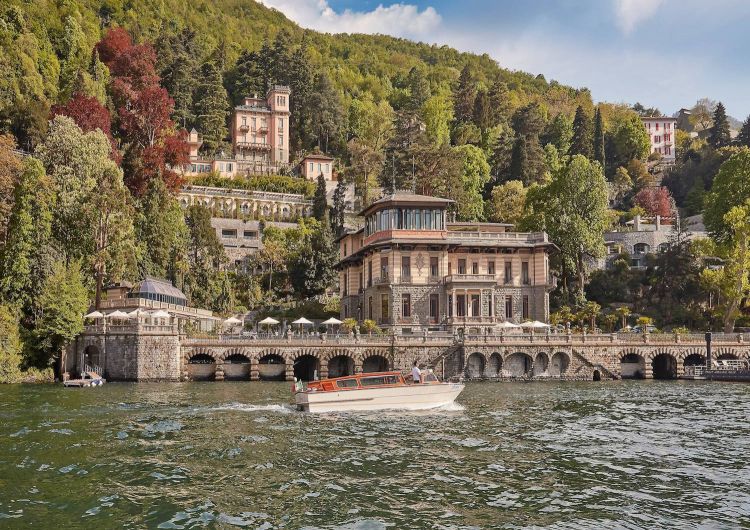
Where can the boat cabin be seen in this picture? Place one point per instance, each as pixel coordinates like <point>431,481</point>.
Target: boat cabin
<point>367,380</point>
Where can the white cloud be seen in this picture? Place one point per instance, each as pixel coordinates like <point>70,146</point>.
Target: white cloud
<point>631,12</point>
<point>399,20</point>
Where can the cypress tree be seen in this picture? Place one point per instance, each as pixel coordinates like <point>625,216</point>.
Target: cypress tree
<point>719,133</point>
<point>211,108</point>
<point>301,80</point>
<point>744,137</point>
<point>320,202</point>
<point>339,206</point>
<point>464,96</point>
<point>599,155</point>
<point>499,103</point>
<point>419,89</point>
<point>519,161</point>
<point>582,143</point>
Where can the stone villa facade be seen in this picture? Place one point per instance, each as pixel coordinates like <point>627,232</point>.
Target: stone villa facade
<point>661,131</point>
<point>411,270</point>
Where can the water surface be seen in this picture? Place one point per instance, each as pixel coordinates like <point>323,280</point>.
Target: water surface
<point>235,455</point>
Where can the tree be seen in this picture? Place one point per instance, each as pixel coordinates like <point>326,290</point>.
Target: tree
<point>507,202</point>
<point>500,104</point>
<point>320,199</point>
<point>464,95</point>
<point>77,55</point>
<point>366,165</point>
<point>559,133</point>
<point>177,59</point>
<point>599,138</point>
<point>622,184</point>
<point>10,346</point>
<point>655,201</point>
<point>572,209</point>
<point>743,138</point>
<point>370,123</point>
<point>90,115</point>
<point>701,114</point>
<point>62,303</point>
<point>638,172</point>
<point>419,88</point>
<point>437,114</point>
<point>319,265</point>
<point>211,108</point>
<point>731,187</point>
<point>590,312</point>
<point>475,174</point>
<point>719,133</point>
<point>203,282</point>
<point>582,142</point>
<point>327,120</point>
<point>25,255</point>
<point>527,159</point>
<point>339,208</point>
<point>11,167</point>
<point>623,313</point>
<point>732,281</point>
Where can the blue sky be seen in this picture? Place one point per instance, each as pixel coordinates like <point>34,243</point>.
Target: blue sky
<point>663,53</point>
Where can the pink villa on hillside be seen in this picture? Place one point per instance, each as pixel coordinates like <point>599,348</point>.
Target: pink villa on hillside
<point>260,139</point>
<point>661,131</point>
<point>316,164</point>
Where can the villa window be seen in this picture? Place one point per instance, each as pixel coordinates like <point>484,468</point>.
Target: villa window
<point>369,274</point>
<point>434,266</point>
<point>525,307</point>
<point>369,308</point>
<point>508,307</point>
<point>475,308</point>
<point>462,266</point>
<point>508,276</point>
<point>384,313</point>
<point>250,234</point>
<point>525,273</point>
<point>491,268</point>
<point>434,307</point>
<point>383,268</point>
<point>405,266</point>
<point>281,124</point>
<point>475,267</point>
<point>406,305</point>
<point>228,233</point>
<point>460,305</point>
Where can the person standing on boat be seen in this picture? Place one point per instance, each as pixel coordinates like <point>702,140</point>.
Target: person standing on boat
<point>416,373</point>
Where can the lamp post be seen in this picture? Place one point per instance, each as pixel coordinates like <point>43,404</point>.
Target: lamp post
<point>708,350</point>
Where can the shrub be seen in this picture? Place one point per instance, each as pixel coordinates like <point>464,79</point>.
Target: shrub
<point>369,326</point>
<point>271,183</point>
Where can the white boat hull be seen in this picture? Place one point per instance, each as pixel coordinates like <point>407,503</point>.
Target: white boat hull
<point>410,397</point>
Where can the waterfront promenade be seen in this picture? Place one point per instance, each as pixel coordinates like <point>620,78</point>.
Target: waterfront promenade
<point>145,352</point>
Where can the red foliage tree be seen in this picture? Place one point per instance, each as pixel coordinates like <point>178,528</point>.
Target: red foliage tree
<point>153,145</point>
<point>89,115</point>
<point>655,200</point>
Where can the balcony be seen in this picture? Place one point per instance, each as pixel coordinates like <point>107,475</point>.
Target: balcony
<point>405,278</point>
<point>244,128</point>
<point>384,279</point>
<point>254,146</point>
<point>263,129</point>
<point>470,278</point>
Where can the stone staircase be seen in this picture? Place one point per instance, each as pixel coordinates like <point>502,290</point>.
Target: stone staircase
<point>605,366</point>
<point>450,362</point>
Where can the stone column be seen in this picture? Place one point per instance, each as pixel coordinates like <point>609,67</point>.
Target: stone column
<point>254,373</point>
<point>219,376</point>
<point>323,370</point>
<point>357,366</point>
<point>289,375</point>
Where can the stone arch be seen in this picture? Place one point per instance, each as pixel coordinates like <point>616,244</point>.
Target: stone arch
<point>541,364</point>
<point>519,364</point>
<point>475,364</point>
<point>201,366</point>
<point>664,365</point>
<point>92,357</point>
<point>632,365</point>
<point>375,363</point>
<point>306,367</point>
<point>693,359</point>
<point>494,365</point>
<point>340,365</point>
<point>726,355</point>
<point>559,364</point>
<point>271,365</point>
<point>236,366</point>
<point>596,376</point>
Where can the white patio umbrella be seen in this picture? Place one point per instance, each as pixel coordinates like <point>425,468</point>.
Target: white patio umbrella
<point>160,314</point>
<point>535,324</point>
<point>332,322</point>
<point>507,325</point>
<point>118,314</point>
<point>232,321</point>
<point>94,315</point>
<point>302,321</point>
<point>268,321</point>
<point>135,313</point>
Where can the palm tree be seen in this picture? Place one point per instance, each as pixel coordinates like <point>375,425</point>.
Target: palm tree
<point>623,313</point>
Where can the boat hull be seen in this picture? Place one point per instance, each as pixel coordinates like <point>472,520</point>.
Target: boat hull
<point>410,397</point>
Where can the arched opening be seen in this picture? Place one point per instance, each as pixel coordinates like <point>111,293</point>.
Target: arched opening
<point>340,366</point>
<point>664,366</point>
<point>307,368</point>
<point>375,363</point>
<point>518,364</point>
<point>271,367</point>
<point>495,365</point>
<point>475,365</point>
<point>201,367</point>
<point>236,368</point>
<point>727,357</point>
<point>559,364</point>
<point>597,375</point>
<point>694,359</point>
<point>92,359</point>
<point>541,364</point>
<point>632,366</point>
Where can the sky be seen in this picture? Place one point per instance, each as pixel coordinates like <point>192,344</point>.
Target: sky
<point>661,53</point>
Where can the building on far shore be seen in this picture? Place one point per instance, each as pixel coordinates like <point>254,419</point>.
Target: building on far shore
<point>412,270</point>
<point>661,131</point>
<point>315,164</point>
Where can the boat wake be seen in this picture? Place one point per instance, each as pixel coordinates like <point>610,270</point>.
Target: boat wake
<point>247,407</point>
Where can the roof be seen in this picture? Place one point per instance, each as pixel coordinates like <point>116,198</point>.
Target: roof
<point>151,285</point>
<point>659,118</point>
<point>317,156</point>
<point>406,197</point>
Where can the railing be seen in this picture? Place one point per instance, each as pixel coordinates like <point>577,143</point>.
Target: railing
<point>405,278</point>
<point>254,145</point>
<point>524,237</point>
<point>257,195</point>
<point>451,278</point>
<point>244,128</point>
<point>153,304</point>
<point>381,280</point>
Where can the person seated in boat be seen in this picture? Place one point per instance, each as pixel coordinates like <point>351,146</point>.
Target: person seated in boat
<point>416,373</point>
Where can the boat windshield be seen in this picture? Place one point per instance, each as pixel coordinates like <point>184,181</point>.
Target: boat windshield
<point>379,380</point>
<point>346,383</point>
<point>430,378</point>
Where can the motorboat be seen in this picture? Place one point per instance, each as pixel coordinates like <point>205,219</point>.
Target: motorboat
<point>87,379</point>
<point>374,391</point>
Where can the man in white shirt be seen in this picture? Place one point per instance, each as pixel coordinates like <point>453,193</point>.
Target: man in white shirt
<point>416,373</point>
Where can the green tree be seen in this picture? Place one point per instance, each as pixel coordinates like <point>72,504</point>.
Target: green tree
<point>527,158</point>
<point>419,88</point>
<point>623,313</point>
<point>339,208</point>
<point>591,311</point>
<point>178,55</point>
<point>464,96</point>
<point>328,119</point>
<point>26,255</point>
<point>77,56</point>
<point>11,167</point>
<point>743,138</point>
<point>10,346</point>
<point>437,114</point>
<point>559,133</point>
<point>582,142</point>
<point>731,187</point>
<point>573,210</point>
<point>622,184</point>
<point>630,139</point>
<point>507,203</point>
<point>719,133</point>
<point>63,301</point>
<point>320,199</point>
<point>500,103</point>
<point>475,174</point>
<point>599,138</point>
<point>211,108</point>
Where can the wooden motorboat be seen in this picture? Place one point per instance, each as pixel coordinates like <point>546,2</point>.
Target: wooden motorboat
<point>87,379</point>
<point>374,391</point>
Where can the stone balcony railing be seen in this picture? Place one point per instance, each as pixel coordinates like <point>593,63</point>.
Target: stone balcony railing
<point>469,278</point>
<point>248,194</point>
<point>500,237</point>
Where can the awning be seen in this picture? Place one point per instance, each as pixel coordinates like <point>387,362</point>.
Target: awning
<point>269,321</point>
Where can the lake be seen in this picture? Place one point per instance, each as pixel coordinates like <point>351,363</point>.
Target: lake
<point>630,454</point>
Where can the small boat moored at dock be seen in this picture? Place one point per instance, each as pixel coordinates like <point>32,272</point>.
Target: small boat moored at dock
<point>374,391</point>
<point>87,379</point>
